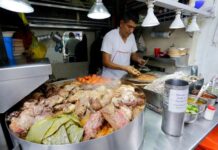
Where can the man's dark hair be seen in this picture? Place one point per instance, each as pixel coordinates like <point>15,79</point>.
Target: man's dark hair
<point>71,35</point>
<point>127,16</point>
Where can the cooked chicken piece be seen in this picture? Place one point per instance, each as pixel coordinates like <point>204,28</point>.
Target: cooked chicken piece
<point>126,95</point>
<point>22,123</point>
<point>77,96</point>
<point>13,114</point>
<point>53,100</point>
<point>137,110</point>
<point>45,113</point>
<point>95,104</point>
<point>59,107</point>
<point>72,99</point>
<point>27,118</point>
<point>38,95</point>
<point>69,87</point>
<point>63,93</point>
<point>93,125</point>
<point>117,118</point>
<point>106,98</point>
<point>80,109</point>
<point>70,108</point>
<point>51,90</point>
<point>127,112</point>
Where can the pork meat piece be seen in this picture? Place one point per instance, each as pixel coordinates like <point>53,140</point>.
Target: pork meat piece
<point>63,93</point>
<point>22,123</point>
<point>95,104</point>
<point>53,100</point>
<point>117,118</point>
<point>93,125</point>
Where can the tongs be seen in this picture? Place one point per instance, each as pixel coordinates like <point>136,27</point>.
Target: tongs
<point>203,89</point>
<point>146,61</point>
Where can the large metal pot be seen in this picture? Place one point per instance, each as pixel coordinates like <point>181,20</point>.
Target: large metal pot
<point>129,137</point>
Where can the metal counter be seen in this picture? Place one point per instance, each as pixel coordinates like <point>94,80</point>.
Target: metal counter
<point>193,133</point>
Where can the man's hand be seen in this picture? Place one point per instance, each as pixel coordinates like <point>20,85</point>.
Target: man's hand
<point>132,70</point>
<point>141,61</point>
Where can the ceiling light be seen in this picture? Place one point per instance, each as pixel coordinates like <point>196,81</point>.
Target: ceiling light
<point>98,11</point>
<point>150,20</point>
<point>177,23</point>
<point>193,26</point>
<point>21,6</point>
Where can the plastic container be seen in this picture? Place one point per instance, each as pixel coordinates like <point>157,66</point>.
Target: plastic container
<point>210,141</point>
<point>209,113</point>
<point>9,47</point>
<point>156,52</point>
<point>199,3</point>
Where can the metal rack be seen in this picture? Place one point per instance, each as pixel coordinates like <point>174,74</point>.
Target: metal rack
<point>64,15</point>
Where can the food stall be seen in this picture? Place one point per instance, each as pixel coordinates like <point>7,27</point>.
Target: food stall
<point>71,109</point>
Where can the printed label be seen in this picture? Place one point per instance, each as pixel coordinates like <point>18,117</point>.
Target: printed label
<point>178,100</point>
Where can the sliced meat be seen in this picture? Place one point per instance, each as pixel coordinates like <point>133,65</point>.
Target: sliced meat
<point>93,125</point>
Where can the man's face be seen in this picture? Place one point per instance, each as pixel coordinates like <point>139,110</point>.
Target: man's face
<point>126,28</point>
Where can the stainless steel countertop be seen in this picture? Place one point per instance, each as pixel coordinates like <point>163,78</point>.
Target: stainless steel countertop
<point>193,133</point>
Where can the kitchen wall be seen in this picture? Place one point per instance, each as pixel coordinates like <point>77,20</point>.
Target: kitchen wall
<point>203,45</point>
<point>60,69</point>
<point>206,46</point>
<point>178,37</point>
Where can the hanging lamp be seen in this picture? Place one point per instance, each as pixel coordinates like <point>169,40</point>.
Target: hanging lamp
<point>21,6</point>
<point>150,19</point>
<point>98,11</point>
<point>193,26</point>
<point>177,23</point>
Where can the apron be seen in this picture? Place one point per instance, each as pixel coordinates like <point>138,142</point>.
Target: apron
<point>120,57</point>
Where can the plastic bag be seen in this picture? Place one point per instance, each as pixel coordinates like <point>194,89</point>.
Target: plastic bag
<point>38,49</point>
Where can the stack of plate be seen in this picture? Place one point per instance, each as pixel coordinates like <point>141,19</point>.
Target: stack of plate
<point>177,52</point>
<point>174,52</point>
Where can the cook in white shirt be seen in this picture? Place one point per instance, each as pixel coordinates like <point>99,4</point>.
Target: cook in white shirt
<point>118,47</point>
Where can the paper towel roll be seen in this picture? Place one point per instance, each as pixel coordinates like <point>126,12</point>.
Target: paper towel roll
<point>160,34</point>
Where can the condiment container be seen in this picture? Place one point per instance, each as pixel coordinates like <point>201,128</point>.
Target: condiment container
<point>209,113</point>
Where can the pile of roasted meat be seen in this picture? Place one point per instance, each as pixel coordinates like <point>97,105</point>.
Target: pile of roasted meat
<point>100,108</point>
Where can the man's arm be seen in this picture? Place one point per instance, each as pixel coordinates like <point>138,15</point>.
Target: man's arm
<point>135,57</point>
<point>107,63</point>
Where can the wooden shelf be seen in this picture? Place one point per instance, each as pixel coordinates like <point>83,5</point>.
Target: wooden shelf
<point>173,5</point>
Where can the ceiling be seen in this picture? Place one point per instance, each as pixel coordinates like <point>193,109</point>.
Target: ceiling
<point>72,13</point>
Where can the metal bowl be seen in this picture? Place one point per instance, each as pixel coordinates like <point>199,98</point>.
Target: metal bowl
<point>190,118</point>
<point>201,103</point>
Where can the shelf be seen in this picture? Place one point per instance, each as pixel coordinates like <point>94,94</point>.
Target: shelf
<point>173,5</point>
<point>21,77</point>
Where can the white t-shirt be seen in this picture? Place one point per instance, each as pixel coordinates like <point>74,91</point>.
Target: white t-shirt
<point>120,52</point>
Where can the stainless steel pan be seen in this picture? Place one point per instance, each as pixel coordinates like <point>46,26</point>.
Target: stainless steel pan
<point>129,137</point>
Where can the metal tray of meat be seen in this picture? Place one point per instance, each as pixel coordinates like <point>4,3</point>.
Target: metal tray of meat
<point>129,137</point>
